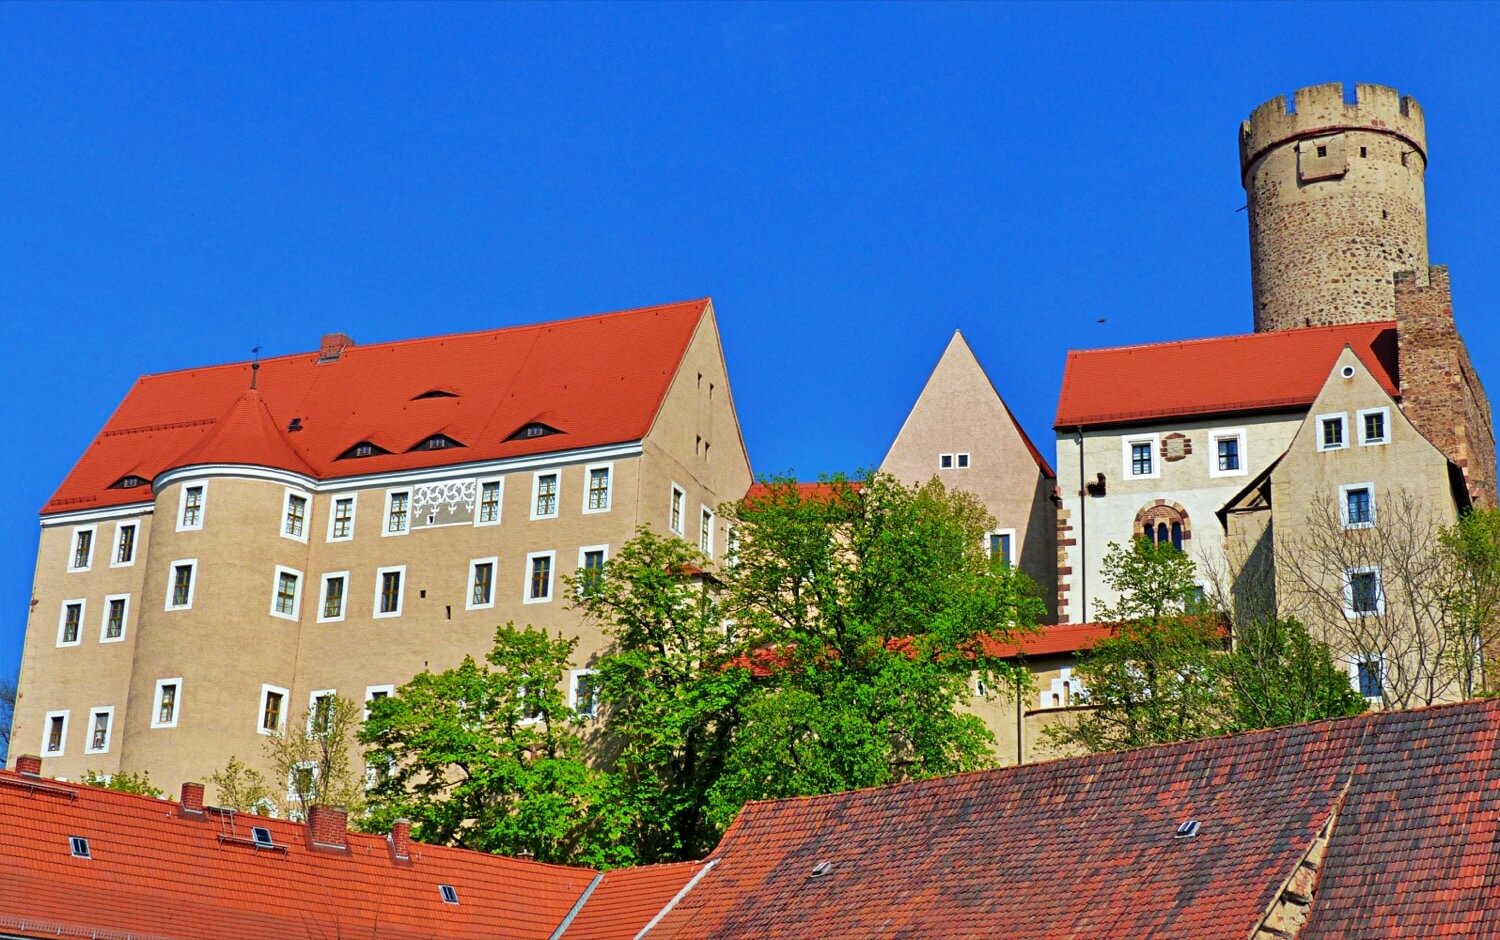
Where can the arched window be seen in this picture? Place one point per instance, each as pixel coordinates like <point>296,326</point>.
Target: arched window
<point>1164,523</point>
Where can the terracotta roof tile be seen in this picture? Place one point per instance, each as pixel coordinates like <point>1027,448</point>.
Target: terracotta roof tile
<point>626,899</point>
<point>600,379</point>
<point>1255,372</point>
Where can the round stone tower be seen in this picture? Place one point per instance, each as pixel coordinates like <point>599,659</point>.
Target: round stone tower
<point>1337,204</point>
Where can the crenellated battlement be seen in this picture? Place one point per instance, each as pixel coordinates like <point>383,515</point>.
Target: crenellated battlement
<point>1319,109</point>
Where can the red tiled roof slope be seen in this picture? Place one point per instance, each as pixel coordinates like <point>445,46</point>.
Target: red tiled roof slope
<point>627,898</point>
<point>1085,847</point>
<point>1067,638</point>
<point>155,874</point>
<point>599,379</point>
<point>1254,372</point>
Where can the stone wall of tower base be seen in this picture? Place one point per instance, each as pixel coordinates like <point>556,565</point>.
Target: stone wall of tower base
<point>1440,391</point>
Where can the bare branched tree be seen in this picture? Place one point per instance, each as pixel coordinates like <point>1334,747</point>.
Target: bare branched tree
<point>315,757</point>
<point>7,714</point>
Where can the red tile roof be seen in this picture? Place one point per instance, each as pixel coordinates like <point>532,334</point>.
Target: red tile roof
<point>1255,372</point>
<point>1051,641</point>
<point>1085,848</point>
<point>598,379</point>
<point>627,899</point>
<point>805,491</point>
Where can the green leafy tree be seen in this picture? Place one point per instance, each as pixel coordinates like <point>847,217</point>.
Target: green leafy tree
<point>1279,675</point>
<point>488,757</point>
<point>139,784</point>
<point>315,757</point>
<point>669,695</point>
<point>868,604</point>
<point>242,789</point>
<point>1473,547</point>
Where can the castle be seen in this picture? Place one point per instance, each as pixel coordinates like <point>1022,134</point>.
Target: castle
<point>241,541</point>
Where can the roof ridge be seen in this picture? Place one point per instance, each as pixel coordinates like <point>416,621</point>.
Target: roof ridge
<point>1233,337</point>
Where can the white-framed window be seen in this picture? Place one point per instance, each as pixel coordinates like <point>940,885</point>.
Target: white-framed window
<point>583,692</point>
<point>182,581</point>
<point>70,622</point>
<point>166,704</point>
<point>390,587</point>
<point>302,780</point>
<point>55,734</point>
<point>190,507</point>
<point>546,493</point>
<point>81,553</point>
<point>1228,454</point>
<point>333,596</point>
<point>540,568</point>
<point>675,511</point>
<point>1364,594</point>
<point>1000,545</point>
<point>598,484</point>
<point>591,559</point>
<point>101,722</point>
<point>491,496</point>
<point>1367,675</point>
<point>1333,431</point>
<point>286,593</point>
<point>116,616</point>
<point>126,534</point>
<point>397,512</point>
<point>1139,455</point>
<point>341,518</point>
<point>731,546</point>
<point>375,693</point>
<point>961,461</point>
<point>320,704</point>
<point>294,509</point>
<point>1357,505</point>
<point>1373,426</point>
<point>481,593</point>
<point>706,531</point>
<point>272,714</point>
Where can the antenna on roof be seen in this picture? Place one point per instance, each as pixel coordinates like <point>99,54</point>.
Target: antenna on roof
<point>254,365</point>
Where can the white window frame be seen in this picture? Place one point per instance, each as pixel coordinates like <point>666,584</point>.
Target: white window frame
<point>1359,426</point>
<point>93,532</point>
<point>1353,666</point>
<point>297,593</point>
<point>370,691</point>
<point>380,574</point>
<point>124,619</point>
<point>945,461</point>
<point>1349,573</point>
<point>161,684</point>
<point>961,461</point>
<point>333,512</point>
<point>1151,440</point>
<point>109,729</point>
<point>1225,434</point>
<point>551,578</point>
<point>385,517</point>
<point>1344,491</point>
<point>1343,419</point>
<point>713,521</point>
<point>323,597</point>
<point>172,582</point>
<point>573,676</point>
<point>536,490</point>
<point>679,500</point>
<point>731,546</point>
<point>1014,545</point>
<point>291,781</point>
<point>260,712</point>
<point>202,487</point>
<point>494,562</point>
<point>499,500</point>
<point>312,702</point>
<point>583,551</point>
<point>307,513</point>
<point>609,492</point>
<point>135,544</point>
<point>62,740</point>
<point>62,619</point>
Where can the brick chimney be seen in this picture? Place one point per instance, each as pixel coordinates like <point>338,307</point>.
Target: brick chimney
<point>333,346</point>
<point>401,838</point>
<point>29,764</point>
<point>192,799</point>
<point>329,826</point>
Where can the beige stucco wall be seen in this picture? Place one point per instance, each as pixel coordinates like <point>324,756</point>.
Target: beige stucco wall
<point>959,412</point>
<point>1051,700</point>
<point>229,644</point>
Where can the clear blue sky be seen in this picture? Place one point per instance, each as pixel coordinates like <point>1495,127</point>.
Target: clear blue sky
<point>849,183</point>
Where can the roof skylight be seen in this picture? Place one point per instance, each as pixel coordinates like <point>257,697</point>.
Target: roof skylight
<point>450,894</point>
<point>261,836</point>
<point>80,847</point>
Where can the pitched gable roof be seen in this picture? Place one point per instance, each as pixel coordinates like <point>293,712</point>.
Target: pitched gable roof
<point>599,379</point>
<point>1274,371</point>
<point>1086,848</point>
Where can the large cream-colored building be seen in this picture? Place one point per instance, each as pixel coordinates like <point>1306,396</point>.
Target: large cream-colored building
<point>241,539</point>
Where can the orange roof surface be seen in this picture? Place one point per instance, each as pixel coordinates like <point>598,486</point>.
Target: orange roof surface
<point>1068,638</point>
<point>1254,372</point>
<point>598,379</point>
<point>627,898</point>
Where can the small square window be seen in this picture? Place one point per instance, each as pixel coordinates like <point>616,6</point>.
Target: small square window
<point>1331,434</point>
<point>945,461</point>
<point>1359,506</point>
<point>1140,460</point>
<point>1374,426</point>
<point>80,847</point>
<point>961,460</point>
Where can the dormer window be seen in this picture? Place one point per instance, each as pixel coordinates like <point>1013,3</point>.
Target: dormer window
<point>363,449</point>
<point>434,393</point>
<point>533,429</point>
<point>438,442</point>
<point>128,482</point>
